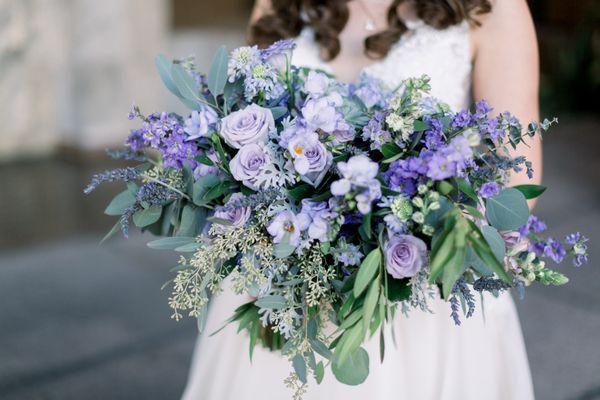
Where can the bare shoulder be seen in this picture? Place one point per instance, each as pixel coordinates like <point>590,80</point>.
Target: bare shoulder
<point>509,23</point>
<point>261,7</point>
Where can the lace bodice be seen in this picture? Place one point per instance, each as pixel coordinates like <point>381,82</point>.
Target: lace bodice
<point>444,55</point>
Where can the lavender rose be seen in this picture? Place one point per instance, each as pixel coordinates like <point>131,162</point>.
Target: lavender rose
<point>250,125</point>
<point>237,216</point>
<point>405,255</point>
<point>248,164</point>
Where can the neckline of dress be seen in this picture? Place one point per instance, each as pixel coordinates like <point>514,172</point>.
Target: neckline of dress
<point>413,26</point>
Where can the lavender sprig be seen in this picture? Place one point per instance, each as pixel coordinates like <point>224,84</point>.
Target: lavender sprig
<point>119,174</point>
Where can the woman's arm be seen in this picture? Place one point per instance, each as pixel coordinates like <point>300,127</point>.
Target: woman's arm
<point>506,72</point>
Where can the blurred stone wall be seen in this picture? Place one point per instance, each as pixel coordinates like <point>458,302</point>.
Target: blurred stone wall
<point>69,70</point>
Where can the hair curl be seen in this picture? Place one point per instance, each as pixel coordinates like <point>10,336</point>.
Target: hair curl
<point>329,17</point>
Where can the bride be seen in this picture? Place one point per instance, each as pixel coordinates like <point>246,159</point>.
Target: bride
<point>471,49</point>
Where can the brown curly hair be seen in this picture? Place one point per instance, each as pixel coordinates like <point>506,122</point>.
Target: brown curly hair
<point>328,17</point>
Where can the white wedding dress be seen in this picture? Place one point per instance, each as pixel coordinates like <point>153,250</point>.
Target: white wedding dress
<point>433,359</point>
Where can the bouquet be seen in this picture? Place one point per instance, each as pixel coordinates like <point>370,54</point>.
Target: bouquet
<point>332,206</point>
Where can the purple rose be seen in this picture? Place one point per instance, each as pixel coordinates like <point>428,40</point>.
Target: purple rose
<point>248,164</point>
<point>405,255</point>
<point>238,216</point>
<point>250,125</point>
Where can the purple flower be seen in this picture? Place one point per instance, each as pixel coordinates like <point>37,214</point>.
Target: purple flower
<point>405,255</point>
<point>237,216</point>
<point>317,217</point>
<point>248,164</point>
<point>461,120</point>
<point>358,173</point>
<point>316,84</point>
<point>203,169</point>
<point>279,54</point>
<point>200,123</point>
<point>554,250</point>
<point>286,224</point>
<point>375,133</point>
<point>533,225</point>
<point>489,189</point>
<point>434,135</point>
<point>309,154</point>
<point>441,167</point>
<point>250,125</point>
<point>322,114</point>
<point>578,248</point>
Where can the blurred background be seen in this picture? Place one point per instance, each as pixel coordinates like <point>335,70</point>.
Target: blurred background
<point>82,321</point>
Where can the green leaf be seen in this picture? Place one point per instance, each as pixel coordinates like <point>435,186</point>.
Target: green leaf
<point>147,216</point>
<point>419,126</point>
<point>216,191</point>
<point>120,203</point>
<point>193,220</point>
<point>188,248</point>
<point>349,342</point>
<point>116,228</point>
<point>170,243</point>
<point>202,186</point>
<point>390,150</point>
<point>466,188</point>
<point>301,191</point>
<point>497,245</point>
<point>483,250</point>
<point>274,302</point>
<point>283,249</point>
<point>217,77</point>
<point>163,65</point>
<point>398,289</point>
<point>453,270</point>
<point>530,191</point>
<point>278,112</point>
<point>299,367</point>
<point>320,348</point>
<point>351,319</point>
<point>435,218</point>
<point>187,86</point>
<point>371,302</point>
<point>366,226</point>
<point>508,210</point>
<point>354,370</point>
<point>445,188</point>
<point>441,254</point>
<point>319,372</point>
<point>367,271</point>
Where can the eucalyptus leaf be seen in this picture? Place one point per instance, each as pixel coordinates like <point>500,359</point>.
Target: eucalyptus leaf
<point>187,86</point>
<point>508,210</point>
<point>147,216</point>
<point>299,367</point>
<point>320,348</point>
<point>319,372</point>
<point>217,77</point>
<point>120,203</point>
<point>163,65</point>
<point>193,220</point>
<point>170,243</point>
<point>354,370</point>
<point>202,186</point>
<point>274,302</point>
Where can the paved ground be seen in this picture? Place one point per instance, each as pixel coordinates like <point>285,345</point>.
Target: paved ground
<point>78,321</point>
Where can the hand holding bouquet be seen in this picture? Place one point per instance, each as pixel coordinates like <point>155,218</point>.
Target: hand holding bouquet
<point>332,205</point>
